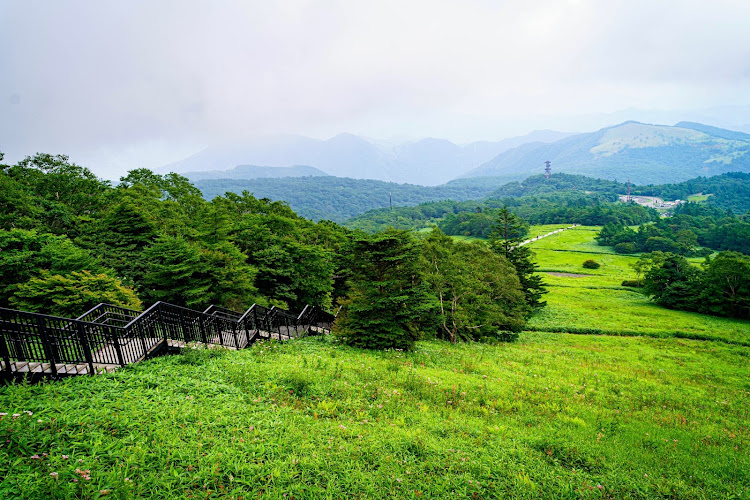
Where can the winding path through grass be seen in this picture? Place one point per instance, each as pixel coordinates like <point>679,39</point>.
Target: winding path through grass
<point>545,235</point>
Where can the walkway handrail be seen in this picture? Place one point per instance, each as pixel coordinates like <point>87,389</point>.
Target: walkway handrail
<point>109,335</point>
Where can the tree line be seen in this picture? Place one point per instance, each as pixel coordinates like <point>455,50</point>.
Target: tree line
<point>720,286</point>
<point>154,237</point>
<point>69,240</point>
<point>695,229</point>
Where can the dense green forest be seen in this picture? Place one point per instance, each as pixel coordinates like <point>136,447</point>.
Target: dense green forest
<point>350,200</point>
<point>719,287</point>
<point>729,191</point>
<point>474,218</point>
<point>338,198</point>
<point>562,198</point>
<point>69,241</point>
<point>694,229</point>
<point>152,238</point>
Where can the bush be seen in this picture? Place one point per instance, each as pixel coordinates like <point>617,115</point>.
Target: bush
<point>633,283</point>
<point>591,264</point>
<point>625,248</point>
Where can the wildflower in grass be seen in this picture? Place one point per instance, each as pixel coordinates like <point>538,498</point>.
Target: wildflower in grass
<point>16,415</point>
<point>53,474</point>
<point>65,457</point>
<point>36,457</point>
<point>28,413</point>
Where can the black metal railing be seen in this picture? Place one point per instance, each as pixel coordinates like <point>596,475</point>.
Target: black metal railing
<point>108,335</point>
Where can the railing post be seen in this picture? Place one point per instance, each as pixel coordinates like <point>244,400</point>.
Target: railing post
<point>141,331</point>
<point>234,334</point>
<point>5,353</point>
<point>83,339</point>
<point>46,344</point>
<point>220,329</point>
<point>116,341</point>
<point>202,326</point>
<point>247,332</point>
<point>257,326</point>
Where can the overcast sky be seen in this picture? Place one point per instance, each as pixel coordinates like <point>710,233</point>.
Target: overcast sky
<point>124,84</point>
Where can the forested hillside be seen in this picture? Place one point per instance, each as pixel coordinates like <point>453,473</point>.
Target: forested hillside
<point>730,191</point>
<point>561,198</point>
<point>69,241</point>
<point>475,218</point>
<point>67,237</point>
<point>339,198</point>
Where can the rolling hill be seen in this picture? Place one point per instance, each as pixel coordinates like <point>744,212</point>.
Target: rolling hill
<point>426,162</point>
<point>641,152</point>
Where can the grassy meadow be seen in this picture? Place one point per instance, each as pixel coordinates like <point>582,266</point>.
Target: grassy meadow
<point>646,412</point>
<point>549,416</point>
<point>594,302</point>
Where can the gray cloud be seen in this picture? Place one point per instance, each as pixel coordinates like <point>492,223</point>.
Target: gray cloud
<point>120,83</point>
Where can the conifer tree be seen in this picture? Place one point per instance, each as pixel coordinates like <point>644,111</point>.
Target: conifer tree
<point>72,294</point>
<point>505,239</point>
<point>387,299</point>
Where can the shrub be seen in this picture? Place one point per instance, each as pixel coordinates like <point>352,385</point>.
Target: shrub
<point>591,264</point>
<point>633,283</point>
<point>625,248</point>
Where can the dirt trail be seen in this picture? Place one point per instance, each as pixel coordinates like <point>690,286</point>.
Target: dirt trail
<point>548,234</point>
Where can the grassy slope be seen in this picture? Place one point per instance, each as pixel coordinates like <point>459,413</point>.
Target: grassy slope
<point>598,302</point>
<point>551,416</point>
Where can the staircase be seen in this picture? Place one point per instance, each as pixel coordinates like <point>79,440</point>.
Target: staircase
<point>108,337</point>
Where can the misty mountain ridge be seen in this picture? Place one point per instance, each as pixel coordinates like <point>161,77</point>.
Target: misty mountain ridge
<point>642,152</point>
<point>257,172</point>
<point>426,161</point>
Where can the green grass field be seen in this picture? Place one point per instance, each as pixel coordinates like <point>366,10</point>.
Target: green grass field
<point>549,416</point>
<point>642,413</point>
<point>696,198</point>
<point>597,302</point>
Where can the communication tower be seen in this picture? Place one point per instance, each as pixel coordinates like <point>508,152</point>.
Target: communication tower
<point>547,169</point>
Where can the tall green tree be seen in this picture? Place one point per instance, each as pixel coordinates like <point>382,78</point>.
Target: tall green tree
<point>477,290</point>
<point>673,283</point>
<point>725,285</point>
<point>505,239</point>
<point>174,274</point>
<point>387,299</point>
<point>70,295</point>
<point>26,254</point>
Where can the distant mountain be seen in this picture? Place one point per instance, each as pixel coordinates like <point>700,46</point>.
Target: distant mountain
<point>427,162</point>
<point>641,152</point>
<point>256,172</point>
